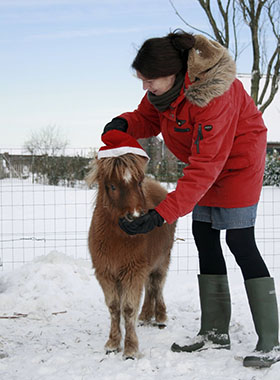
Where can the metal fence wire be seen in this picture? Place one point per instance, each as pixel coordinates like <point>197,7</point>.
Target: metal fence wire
<point>37,218</point>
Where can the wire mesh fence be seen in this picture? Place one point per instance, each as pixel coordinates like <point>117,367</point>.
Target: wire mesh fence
<point>36,219</point>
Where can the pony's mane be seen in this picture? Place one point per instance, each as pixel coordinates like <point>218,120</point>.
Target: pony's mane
<point>116,166</point>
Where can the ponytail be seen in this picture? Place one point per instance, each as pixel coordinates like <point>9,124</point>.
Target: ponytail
<point>164,56</point>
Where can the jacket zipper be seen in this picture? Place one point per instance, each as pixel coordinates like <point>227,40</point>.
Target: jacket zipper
<point>199,138</point>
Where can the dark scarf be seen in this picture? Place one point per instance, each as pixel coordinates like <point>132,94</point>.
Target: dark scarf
<point>162,102</point>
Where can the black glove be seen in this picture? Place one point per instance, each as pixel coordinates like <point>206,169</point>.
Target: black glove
<point>143,224</point>
<point>117,123</point>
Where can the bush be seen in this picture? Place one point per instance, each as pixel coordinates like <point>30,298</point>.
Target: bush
<point>62,170</point>
<point>272,169</point>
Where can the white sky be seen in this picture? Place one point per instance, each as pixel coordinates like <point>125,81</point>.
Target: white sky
<point>67,63</point>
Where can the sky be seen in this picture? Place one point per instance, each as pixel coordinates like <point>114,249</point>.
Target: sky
<point>67,63</point>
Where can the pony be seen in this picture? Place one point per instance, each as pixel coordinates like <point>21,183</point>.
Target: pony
<point>124,264</point>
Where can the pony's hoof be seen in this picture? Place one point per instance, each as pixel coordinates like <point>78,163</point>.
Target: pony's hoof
<point>144,323</point>
<point>112,351</point>
<point>129,357</point>
<point>159,325</point>
<point>131,354</point>
<point>150,323</point>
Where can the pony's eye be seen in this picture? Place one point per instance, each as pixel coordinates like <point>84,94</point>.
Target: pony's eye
<point>113,187</point>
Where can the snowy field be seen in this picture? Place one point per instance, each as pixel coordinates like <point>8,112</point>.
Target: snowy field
<point>53,320</point>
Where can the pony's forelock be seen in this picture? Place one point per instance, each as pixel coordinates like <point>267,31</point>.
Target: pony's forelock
<point>117,167</point>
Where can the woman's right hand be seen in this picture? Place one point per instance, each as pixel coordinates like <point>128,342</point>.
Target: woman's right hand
<point>117,123</point>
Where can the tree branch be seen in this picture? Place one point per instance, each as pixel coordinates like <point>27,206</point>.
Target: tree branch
<point>218,34</point>
<point>186,23</point>
<point>255,14</point>
<point>267,77</point>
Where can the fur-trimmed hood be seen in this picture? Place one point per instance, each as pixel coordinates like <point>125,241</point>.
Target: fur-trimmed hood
<point>211,69</point>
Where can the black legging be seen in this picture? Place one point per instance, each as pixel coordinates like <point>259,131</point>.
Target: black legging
<point>241,243</point>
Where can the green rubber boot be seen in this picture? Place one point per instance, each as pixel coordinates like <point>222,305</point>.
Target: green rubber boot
<point>263,304</point>
<point>215,315</point>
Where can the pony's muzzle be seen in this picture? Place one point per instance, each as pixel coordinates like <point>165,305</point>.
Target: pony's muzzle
<point>130,217</point>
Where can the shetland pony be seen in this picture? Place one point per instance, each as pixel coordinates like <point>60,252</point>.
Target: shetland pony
<point>125,264</point>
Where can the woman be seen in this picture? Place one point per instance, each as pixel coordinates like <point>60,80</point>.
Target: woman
<point>209,122</point>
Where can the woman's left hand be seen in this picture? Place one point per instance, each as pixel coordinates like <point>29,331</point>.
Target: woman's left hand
<point>143,224</point>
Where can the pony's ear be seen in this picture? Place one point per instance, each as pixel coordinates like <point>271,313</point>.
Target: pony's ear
<point>145,162</point>
<point>92,176</point>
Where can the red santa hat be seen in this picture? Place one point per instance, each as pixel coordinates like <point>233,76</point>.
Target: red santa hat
<point>118,143</point>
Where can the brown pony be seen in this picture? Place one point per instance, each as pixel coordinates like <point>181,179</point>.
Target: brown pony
<point>124,264</point>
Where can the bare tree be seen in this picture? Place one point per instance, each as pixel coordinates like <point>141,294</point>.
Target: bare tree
<point>226,19</point>
<point>46,141</point>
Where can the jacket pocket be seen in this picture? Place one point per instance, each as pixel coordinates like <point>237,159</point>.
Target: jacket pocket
<point>237,163</point>
<point>176,129</point>
<point>181,127</point>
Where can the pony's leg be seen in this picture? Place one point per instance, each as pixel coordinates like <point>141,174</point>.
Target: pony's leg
<point>148,308</point>
<point>154,304</point>
<point>159,277</point>
<point>112,299</point>
<point>158,284</point>
<point>130,305</point>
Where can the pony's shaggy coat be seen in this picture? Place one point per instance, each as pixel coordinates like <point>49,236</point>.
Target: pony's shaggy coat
<point>124,264</point>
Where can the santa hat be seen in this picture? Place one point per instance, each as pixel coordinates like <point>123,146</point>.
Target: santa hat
<point>118,143</point>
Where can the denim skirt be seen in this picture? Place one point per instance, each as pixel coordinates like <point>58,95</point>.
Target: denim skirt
<point>226,218</point>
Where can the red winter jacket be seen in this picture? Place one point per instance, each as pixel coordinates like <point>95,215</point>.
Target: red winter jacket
<point>215,128</point>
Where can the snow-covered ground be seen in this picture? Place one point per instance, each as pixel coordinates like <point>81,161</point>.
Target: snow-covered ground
<point>59,324</point>
<point>54,322</point>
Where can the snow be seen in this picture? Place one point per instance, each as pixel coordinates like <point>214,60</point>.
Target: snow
<point>54,322</point>
<point>61,323</point>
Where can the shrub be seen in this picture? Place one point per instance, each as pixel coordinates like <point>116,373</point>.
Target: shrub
<point>272,169</point>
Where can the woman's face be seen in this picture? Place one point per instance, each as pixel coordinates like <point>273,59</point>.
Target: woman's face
<point>157,86</point>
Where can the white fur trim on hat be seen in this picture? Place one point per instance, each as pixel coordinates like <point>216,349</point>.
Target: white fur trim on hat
<point>116,152</point>
<point>118,143</point>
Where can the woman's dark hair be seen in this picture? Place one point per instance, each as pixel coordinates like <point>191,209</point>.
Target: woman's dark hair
<point>163,56</point>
